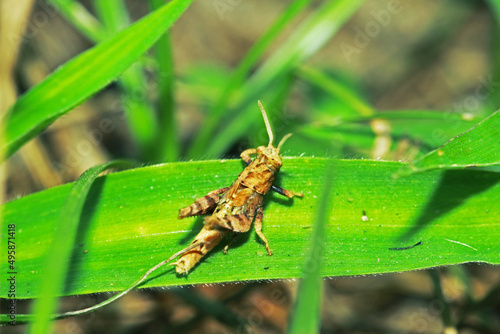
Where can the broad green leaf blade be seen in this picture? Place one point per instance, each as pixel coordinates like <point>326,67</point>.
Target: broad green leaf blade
<point>477,147</point>
<point>306,317</point>
<point>83,76</point>
<point>129,224</point>
<point>59,253</point>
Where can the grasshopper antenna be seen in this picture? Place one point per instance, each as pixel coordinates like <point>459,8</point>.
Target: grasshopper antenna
<point>283,140</point>
<point>268,125</point>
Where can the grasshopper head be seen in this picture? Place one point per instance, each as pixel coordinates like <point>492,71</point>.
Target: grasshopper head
<point>270,156</point>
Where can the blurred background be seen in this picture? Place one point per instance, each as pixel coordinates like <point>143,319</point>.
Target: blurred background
<point>397,80</point>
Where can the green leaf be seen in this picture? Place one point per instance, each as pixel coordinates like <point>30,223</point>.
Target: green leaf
<point>83,76</point>
<point>140,114</point>
<point>59,253</point>
<point>129,224</point>
<point>477,147</point>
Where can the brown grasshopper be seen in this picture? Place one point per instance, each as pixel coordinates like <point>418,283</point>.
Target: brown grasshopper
<point>234,208</point>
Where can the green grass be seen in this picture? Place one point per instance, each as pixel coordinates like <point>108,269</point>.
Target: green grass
<point>218,110</point>
<point>478,147</point>
<point>127,222</point>
<point>83,76</point>
<point>137,107</point>
<point>167,137</point>
<point>307,311</point>
<point>59,254</point>
<point>88,25</point>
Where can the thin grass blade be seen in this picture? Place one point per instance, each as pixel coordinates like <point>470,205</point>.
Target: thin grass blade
<point>140,114</point>
<point>306,317</point>
<point>76,14</point>
<point>336,90</point>
<point>167,138</point>
<point>59,252</point>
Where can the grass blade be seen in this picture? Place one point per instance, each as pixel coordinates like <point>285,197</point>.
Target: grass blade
<point>306,317</point>
<point>140,114</point>
<point>129,224</point>
<point>427,129</point>
<point>59,252</point>
<point>439,295</point>
<point>494,96</point>
<point>167,137</point>
<point>477,147</point>
<point>113,16</point>
<point>83,76</point>
<point>75,13</point>
<point>336,90</point>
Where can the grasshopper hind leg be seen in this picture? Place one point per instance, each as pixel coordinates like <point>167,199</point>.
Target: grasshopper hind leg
<point>232,223</point>
<point>202,205</point>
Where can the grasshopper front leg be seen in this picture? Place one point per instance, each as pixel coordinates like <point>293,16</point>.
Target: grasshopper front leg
<point>202,205</point>
<point>245,155</point>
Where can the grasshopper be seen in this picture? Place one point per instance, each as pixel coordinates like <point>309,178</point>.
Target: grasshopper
<point>234,208</point>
